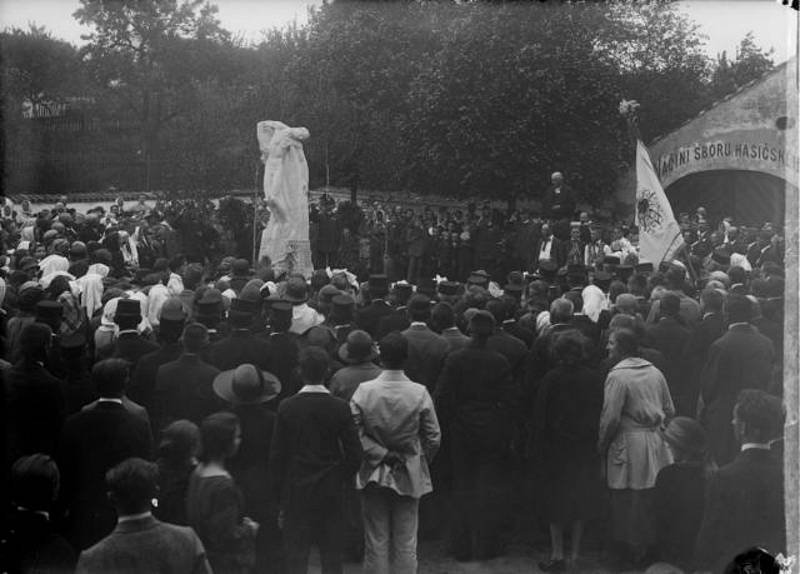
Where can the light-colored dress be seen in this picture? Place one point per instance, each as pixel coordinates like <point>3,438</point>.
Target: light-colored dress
<point>636,403</point>
<point>285,238</point>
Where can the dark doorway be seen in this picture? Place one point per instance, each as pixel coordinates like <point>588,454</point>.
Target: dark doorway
<point>750,197</point>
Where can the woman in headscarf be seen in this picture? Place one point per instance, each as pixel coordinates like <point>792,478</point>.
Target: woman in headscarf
<point>637,403</point>
<point>73,316</point>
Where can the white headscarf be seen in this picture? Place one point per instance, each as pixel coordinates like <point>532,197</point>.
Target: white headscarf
<point>594,302</point>
<point>53,264</point>
<point>91,286</point>
<point>739,260</point>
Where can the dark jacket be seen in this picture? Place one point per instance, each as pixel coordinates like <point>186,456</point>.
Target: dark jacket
<point>370,316</point>
<point>240,347</point>
<point>31,545</point>
<point>249,466</point>
<point>92,442</point>
<point>146,545</point>
<point>678,504</point>
<point>184,390</point>
<point>132,347</point>
<point>142,387</point>
<point>741,359</point>
<point>708,330</point>
<point>559,203</point>
<point>315,450</point>
<point>426,353</point>
<point>744,508</point>
<point>283,363</point>
<point>35,410</point>
<point>558,250</point>
<point>669,336</point>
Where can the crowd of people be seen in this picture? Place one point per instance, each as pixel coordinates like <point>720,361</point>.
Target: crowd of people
<point>456,375</point>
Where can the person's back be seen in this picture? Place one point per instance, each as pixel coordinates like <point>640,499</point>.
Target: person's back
<point>35,403</point>
<point>94,440</point>
<point>140,542</point>
<point>744,499</point>
<point>426,349</point>
<point>184,386</point>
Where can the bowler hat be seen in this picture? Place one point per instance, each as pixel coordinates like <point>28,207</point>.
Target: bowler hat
<point>296,290</point>
<point>241,268</point>
<point>358,348</point>
<point>246,385</point>
<point>281,308</point>
<point>448,288</point>
<point>419,303</point>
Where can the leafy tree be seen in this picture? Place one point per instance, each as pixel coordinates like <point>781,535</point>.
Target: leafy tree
<point>148,55</point>
<point>751,62</point>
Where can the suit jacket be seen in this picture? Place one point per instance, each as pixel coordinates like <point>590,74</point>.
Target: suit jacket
<point>146,545</point>
<point>709,329</point>
<point>142,387</point>
<point>741,359</point>
<point>184,390</point>
<point>558,250</point>
<point>283,362</point>
<point>669,337</point>
<point>35,410</point>
<point>561,204</point>
<point>92,442</point>
<point>130,406</point>
<point>369,317</point>
<point>513,349</point>
<point>315,450</point>
<point>744,508</point>
<point>240,347</point>
<point>426,354</point>
<point>30,544</point>
<point>455,339</point>
<point>397,320</point>
<point>132,347</point>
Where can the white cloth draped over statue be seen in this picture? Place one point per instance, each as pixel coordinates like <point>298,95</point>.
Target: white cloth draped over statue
<point>285,239</point>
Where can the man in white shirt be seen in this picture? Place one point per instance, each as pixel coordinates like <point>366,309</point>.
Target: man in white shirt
<point>400,435</point>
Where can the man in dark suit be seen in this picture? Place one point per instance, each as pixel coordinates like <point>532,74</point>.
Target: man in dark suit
<point>742,358</point>
<point>512,348</point>
<point>34,399</point>
<point>143,380</point>
<point>426,349</point>
<point>710,328</point>
<point>92,442</point>
<point>550,248</point>
<point>744,500</point>
<point>284,350</point>
<point>184,387</point>
<point>369,317</point>
<point>130,345</point>
<point>315,452</point>
<point>240,346</point>
<point>140,543</point>
<point>559,205</point>
<point>669,336</point>
<point>443,321</point>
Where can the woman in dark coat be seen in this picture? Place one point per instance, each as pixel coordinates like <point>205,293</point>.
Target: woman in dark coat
<point>567,412</point>
<point>680,492</point>
<point>474,396</point>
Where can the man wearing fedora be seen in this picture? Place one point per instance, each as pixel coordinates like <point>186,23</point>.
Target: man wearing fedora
<point>284,350</point>
<point>358,353</point>
<point>303,316</point>
<point>240,345</point>
<point>400,434</point>
<point>246,390</point>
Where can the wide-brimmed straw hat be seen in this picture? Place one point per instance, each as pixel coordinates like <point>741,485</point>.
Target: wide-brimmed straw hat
<point>247,385</point>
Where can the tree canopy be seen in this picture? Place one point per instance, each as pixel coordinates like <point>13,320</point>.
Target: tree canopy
<point>457,98</point>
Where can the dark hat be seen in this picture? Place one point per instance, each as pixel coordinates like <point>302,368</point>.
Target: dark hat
<point>296,290</point>
<point>687,435</point>
<point>644,268</point>
<point>624,272</point>
<point>448,288</point>
<point>49,310</point>
<point>419,302</point>
<point>602,278</point>
<point>281,308</point>
<point>378,285</point>
<point>403,290</point>
<point>611,260</point>
<point>78,249</point>
<point>515,278</point>
<point>72,343</point>
<point>209,303</point>
<point>358,348</point>
<point>548,269</point>
<point>241,268</point>
<point>482,323</point>
<point>140,277</point>
<point>721,256</point>
<point>128,308</point>
<point>327,293</point>
<point>481,277</point>
<point>513,289</point>
<point>251,292</point>
<point>172,310</point>
<point>239,305</point>
<point>247,385</point>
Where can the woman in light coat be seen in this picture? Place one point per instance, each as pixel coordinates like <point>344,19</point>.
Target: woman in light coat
<point>636,405</point>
